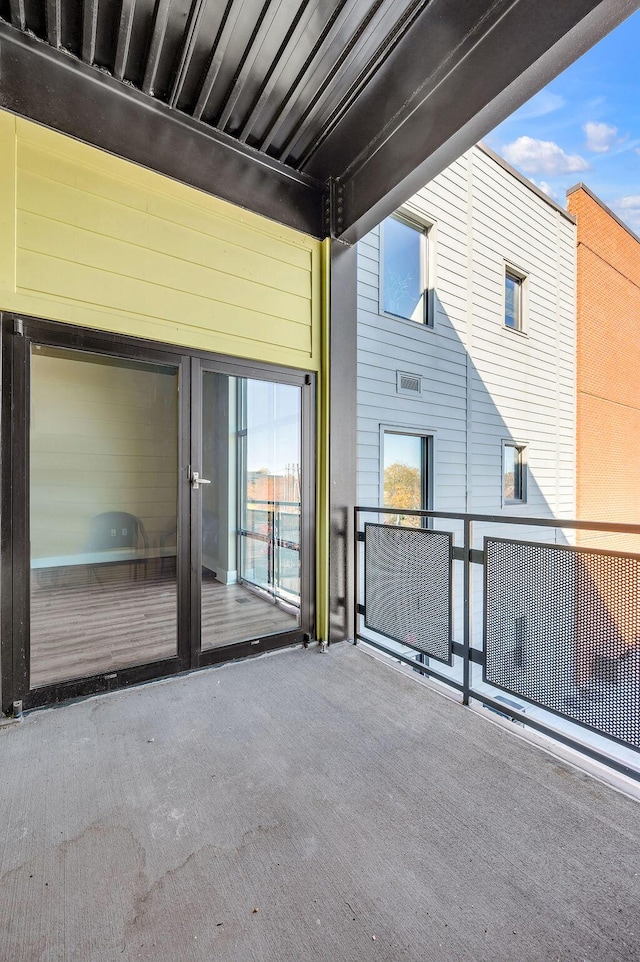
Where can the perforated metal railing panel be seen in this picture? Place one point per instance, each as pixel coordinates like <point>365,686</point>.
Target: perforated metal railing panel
<point>562,629</point>
<point>408,587</point>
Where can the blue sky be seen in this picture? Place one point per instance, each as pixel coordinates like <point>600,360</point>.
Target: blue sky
<point>585,126</point>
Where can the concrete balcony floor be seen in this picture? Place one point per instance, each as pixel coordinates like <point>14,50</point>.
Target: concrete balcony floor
<point>305,806</point>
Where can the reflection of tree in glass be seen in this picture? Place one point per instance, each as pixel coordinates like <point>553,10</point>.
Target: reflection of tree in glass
<point>509,485</point>
<point>401,292</point>
<point>403,489</point>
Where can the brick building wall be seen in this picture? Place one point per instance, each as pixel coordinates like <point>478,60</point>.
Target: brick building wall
<point>608,373</point>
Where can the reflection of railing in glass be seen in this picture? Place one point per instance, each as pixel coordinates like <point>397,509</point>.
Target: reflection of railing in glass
<point>270,543</point>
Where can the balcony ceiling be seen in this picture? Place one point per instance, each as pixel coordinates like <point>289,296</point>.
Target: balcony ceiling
<point>268,102</point>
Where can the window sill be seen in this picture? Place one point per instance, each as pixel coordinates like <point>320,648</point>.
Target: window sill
<point>513,330</point>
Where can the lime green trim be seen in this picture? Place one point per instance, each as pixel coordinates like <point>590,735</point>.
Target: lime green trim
<point>323,520</point>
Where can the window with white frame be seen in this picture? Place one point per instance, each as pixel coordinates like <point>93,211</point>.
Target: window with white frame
<point>514,299</point>
<point>514,472</point>
<point>404,270</point>
<point>406,471</point>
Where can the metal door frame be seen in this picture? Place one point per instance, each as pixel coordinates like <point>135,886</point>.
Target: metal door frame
<point>306,382</point>
<point>18,333</point>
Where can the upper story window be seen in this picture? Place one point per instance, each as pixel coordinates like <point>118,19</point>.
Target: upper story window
<point>514,473</point>
<point>404,270</point>
<point>514,285</point>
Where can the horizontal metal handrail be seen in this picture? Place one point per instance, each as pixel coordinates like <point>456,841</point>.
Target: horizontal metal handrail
<point>610,526</point>
<point>267,539</point>
<point>287,504</point>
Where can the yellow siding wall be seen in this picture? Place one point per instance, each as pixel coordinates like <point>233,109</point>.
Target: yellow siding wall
<point>91,239</point>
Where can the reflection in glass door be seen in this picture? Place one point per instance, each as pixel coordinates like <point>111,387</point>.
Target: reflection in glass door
<point>250,488</point>
<point>270,489</point>
<point>103,454</point>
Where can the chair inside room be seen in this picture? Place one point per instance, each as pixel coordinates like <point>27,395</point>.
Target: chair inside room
<point>117,538</point>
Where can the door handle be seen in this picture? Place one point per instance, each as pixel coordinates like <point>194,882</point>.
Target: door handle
<point>196,480</point>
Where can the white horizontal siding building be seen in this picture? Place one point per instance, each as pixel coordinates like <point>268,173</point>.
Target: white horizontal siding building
<point>470,298</point>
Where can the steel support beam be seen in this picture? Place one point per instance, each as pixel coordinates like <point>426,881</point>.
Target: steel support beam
<point>89,29</point>
<point>410,123</point>
<point>342,438</point>
<point>54,22</point>
<point>54,89</point>
<point>123,42</point>
<point>160,18</point>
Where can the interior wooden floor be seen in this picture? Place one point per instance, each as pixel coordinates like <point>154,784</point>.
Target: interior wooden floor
<point>82,626</point>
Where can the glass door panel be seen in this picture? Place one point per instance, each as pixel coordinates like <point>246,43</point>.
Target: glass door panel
<point>271,489</point>
<point>103,513</point>
<point>251,508</point>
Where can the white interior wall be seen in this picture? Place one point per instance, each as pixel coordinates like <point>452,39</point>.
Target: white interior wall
<point>103,437</point>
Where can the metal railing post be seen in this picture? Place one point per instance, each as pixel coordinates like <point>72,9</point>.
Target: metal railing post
<point>270,557</point>
<point>276,548</point>
<point>466,611</point>
<point>356,576</point>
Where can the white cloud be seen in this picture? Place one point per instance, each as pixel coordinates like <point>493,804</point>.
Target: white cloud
<point>629,210</point>
<point>631,200</point>
<point>599,136</point>
<point>539,106</point>
<point>542,157</point>
<point>623,145</point>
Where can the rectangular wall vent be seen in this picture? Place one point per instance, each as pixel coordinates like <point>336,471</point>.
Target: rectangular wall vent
<point>408,383</point>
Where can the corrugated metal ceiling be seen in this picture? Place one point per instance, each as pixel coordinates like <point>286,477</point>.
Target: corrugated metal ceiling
<point>277,75</point>
<point>322,114</point>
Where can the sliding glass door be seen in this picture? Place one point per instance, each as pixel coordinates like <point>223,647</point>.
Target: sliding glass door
<point>250,505</point>
<point>103,502</point>
<point>157,510</point>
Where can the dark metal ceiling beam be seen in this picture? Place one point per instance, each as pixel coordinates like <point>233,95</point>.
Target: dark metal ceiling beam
<point>217,56</point>
<point>361,81</point>
<point>298,27</point>
<point>263,26</point>
<point>369,22</point>
<point>158,33</point>
<point>188,47</point>
<point>124,37</point>
<point>18,14</point>
<point>329,33</point>
<point>54,22</point>
<point>54,89</point>
<point>406,127</point>
<point>89,29</point>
